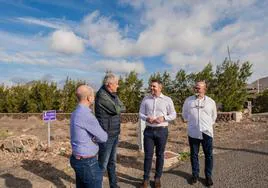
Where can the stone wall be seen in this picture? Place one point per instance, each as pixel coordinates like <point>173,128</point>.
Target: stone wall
<point>125,117</point>
<point>261,117</point>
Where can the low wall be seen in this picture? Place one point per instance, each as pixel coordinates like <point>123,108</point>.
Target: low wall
<point>261,117</point>
<point>125,117</point>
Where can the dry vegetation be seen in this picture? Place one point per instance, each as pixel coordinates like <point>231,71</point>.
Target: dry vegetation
<point>38,167</point>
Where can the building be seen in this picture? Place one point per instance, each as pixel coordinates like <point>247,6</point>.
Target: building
<point>258,86</point>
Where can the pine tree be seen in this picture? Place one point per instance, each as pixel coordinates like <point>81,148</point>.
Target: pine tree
<point>129,91</point>
<point>230,89</point>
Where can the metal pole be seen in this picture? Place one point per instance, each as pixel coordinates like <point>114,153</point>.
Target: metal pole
<point>229,53</point>
<point>48,134</point>
<point>142,125</point>
<point>258,85</point>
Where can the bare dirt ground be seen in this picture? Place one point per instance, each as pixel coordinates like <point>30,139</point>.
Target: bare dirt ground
<point>42,168</point>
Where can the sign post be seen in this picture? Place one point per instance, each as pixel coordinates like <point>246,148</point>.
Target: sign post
<point>141,127</point>
<point>49,116</point>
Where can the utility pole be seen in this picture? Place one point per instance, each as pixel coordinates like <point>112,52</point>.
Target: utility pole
<point>228,50</point>
<point>258,86</point>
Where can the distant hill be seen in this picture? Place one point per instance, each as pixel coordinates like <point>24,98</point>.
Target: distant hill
<point>263,84</point>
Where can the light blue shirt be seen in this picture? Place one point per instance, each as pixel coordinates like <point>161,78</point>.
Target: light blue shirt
<point>85,131</point>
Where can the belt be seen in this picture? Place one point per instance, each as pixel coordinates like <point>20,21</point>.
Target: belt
<point>156,128</point>
<point>78,157</point>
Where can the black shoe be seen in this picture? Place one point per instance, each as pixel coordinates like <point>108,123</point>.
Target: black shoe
<point>193,180</point>
<point>209,181</point>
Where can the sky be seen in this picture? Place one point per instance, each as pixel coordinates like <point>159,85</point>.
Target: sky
<point>82,39</point>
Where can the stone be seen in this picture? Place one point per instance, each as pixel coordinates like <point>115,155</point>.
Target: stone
<point>21,144</point>
<point>238,116</point>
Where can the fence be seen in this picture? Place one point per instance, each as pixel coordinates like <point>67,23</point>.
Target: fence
<point>125,117</point>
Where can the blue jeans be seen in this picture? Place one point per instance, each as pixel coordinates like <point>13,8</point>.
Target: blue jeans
<point>88,173</point>
<point>107,159</point>
<point>207,145</point>
<point>154,137</point>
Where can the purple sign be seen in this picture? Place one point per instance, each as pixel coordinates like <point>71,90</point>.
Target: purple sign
<point>49,115</point>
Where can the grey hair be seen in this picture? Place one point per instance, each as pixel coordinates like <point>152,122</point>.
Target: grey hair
<point>109,78</point>
<point>203,82</point>
<point>83,91</point>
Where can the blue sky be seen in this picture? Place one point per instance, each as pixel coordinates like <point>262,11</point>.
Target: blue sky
<point>81,39</point>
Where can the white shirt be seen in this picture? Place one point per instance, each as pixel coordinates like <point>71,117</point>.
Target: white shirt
<point>200,114</point>
<point>155,107</point>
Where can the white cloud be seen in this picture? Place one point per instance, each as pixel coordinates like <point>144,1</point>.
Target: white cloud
<point>166,29</point>
<point>66,42</point>
<point>180,60</point>
<point>120,66</point>
<point>40,22</point>
<point>105,36</point>
<point>38,58</point>
<point>185,33</point>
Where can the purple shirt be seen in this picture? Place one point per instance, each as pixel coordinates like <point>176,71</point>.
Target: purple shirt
<point>84,129</point>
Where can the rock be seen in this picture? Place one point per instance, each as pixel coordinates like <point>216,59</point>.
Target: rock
<point>21,144</point>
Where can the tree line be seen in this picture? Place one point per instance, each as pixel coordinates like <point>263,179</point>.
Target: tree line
<point>226,85</point>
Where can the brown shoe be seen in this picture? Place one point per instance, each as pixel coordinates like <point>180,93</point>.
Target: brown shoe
<point>144,184</point>
<point>157,183</point>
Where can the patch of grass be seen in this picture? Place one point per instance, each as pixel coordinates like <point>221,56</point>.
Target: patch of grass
<point>183,156</point>
<point>62,152</point>
<point>68,170</point>
<point>3,134</point>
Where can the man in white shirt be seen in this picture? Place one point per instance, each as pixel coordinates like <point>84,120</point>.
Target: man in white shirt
<point>157,110</point>
<point>200,113</point>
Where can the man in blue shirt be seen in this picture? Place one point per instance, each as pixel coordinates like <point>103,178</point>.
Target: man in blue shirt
<point>86,133</point>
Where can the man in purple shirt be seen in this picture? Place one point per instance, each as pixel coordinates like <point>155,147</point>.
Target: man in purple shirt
<point>85,134</point>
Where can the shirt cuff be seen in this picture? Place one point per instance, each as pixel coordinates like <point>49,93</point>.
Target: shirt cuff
<point>166,118</point>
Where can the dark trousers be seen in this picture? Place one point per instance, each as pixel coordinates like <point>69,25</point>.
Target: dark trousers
<point>107,159</point>
<point>154,137</point>
<point>88,173</point>
<point>207,145</point>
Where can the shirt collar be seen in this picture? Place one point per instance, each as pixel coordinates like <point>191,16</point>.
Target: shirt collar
<point>84,106</point>
<point>204,98</point>
<point>160,96</point>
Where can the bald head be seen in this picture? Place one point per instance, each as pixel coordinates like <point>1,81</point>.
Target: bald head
<point>83,92</point>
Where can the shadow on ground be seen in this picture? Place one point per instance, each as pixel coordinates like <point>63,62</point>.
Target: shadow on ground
<point>47,171</point>
<point>243,150</point>
<point>129,179</point>
<point>12,182</point>
<point>127,145</point>
<point>129,161</point>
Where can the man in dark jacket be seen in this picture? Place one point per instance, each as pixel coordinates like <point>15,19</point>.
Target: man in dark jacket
<point>108,108</point>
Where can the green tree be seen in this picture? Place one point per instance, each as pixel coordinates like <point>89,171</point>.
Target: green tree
<point>17,99</point>
<point>3,99</point>
<point>182,88</point>
<point>230,84</point>
<point>260,104</point>
<point>43,96</point>
<point>129,91</point>
<point>68,97</point>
